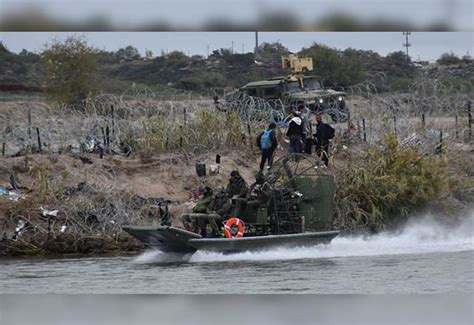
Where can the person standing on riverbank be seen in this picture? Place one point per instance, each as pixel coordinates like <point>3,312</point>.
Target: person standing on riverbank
<point>267,143</point>
<point>295,132</point>
<point>306,135</point>
<point>324,133</point>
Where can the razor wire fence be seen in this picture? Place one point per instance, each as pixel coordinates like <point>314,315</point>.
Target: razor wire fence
<point>430,109</point>
<point>169,120</point>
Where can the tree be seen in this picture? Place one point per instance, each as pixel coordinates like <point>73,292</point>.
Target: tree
<point>333,67</point>
<point>220,53</point>
<point>271,53</point>
<point>70,68</point>
<point>448,58</point>
<point>397,65</point>
<point>466,58</point>
<point>129,53</point>
<point>398,58</point>
<point>148,54</point>
<point>3,48</point>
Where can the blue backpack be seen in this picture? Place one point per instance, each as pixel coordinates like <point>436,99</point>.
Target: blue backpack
<point>266,141</point>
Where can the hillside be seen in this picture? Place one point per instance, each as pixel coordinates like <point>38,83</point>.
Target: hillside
<point>117,71</point>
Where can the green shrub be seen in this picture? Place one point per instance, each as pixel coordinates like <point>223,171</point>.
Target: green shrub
<point>154,139</point>
<point>385,184</point>
<point>448,58</point>
<point>71,67</point>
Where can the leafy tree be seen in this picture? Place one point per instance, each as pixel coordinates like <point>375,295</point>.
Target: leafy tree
<point>466,59</point>
<point>149,54</point>
<point>326,62</point>
<point>448,58</point>
<point>107,57</point>
<point>233,59</point>
<point>333,67</point>
<point>18,67</point>
<point>70,70</point>
<point>3,48</point>
<point>29,57</point>
<point>271,53</point>
<point>397,65</point>
<point>398,58</point>
<point>129,53</point>
<point>220,53</point>
<point>177,56</point>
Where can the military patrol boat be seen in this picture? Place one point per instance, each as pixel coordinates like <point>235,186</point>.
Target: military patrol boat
<point>292,206</point>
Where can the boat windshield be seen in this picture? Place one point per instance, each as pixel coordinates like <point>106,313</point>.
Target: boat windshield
<point>312,84</point>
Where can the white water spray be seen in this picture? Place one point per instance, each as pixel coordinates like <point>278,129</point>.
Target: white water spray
<point>420,236</point>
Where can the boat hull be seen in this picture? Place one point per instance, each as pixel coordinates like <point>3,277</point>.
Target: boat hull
<point>175,240</point>
<point>166,239</point>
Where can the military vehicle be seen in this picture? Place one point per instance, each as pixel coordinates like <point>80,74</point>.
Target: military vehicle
<point>296,87</point>
<point>298,212</point>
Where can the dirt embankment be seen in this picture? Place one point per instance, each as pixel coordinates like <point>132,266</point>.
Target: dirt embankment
<point>95,197</point>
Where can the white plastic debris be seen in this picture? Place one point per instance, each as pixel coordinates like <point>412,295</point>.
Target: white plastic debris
<point>298,194</point>
<point>51,213</point>
<point>214,169</point>
<point>63,228</point>
<point>14,196</point>
<point>20,228</point>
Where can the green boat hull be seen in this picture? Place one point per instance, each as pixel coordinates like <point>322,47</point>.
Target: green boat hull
<point>175,240</point>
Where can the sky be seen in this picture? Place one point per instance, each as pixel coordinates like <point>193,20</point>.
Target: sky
<point>426,46</point>
<point>197,13</point>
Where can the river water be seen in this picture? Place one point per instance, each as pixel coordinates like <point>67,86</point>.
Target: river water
<point>425,257</point>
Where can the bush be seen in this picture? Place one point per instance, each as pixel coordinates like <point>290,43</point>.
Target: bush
<point>385,184</point>
<point>448,58</point>
<point>202,81</point>
<point>402,84</point>
<point>70,70</point>
<point>335,69</point>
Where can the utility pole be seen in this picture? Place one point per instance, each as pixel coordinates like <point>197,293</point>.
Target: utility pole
<point>406,44</point>
<point>208,51</point>
<point>243,47</point>
<point>256,44</point>
<point>232,48</point>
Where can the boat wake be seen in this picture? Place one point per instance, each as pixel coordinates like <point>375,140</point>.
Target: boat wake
<point>422,236</point>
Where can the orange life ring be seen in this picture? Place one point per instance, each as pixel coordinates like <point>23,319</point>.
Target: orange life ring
<point>234,222</point>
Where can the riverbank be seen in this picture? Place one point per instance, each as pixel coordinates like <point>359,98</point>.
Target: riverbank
<point>64,198</point>
<point>70,204</point>
<point>94,200</point>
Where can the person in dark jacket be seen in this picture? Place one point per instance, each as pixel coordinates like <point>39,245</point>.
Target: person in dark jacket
<point>306,136</point>
<point>259,195</point>
<point>236,186</point>
<point>324,133</point>
<point>295,132</point>
<point>267,143</point>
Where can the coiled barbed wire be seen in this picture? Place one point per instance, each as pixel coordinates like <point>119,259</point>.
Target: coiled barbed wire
<point>70,126</point>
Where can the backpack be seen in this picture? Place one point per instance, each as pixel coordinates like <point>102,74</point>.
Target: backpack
<point>331,132</point>
<point>266,140</point>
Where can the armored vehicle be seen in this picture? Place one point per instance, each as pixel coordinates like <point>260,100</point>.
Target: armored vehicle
<point>296,87</point>
<point>297,212</point>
